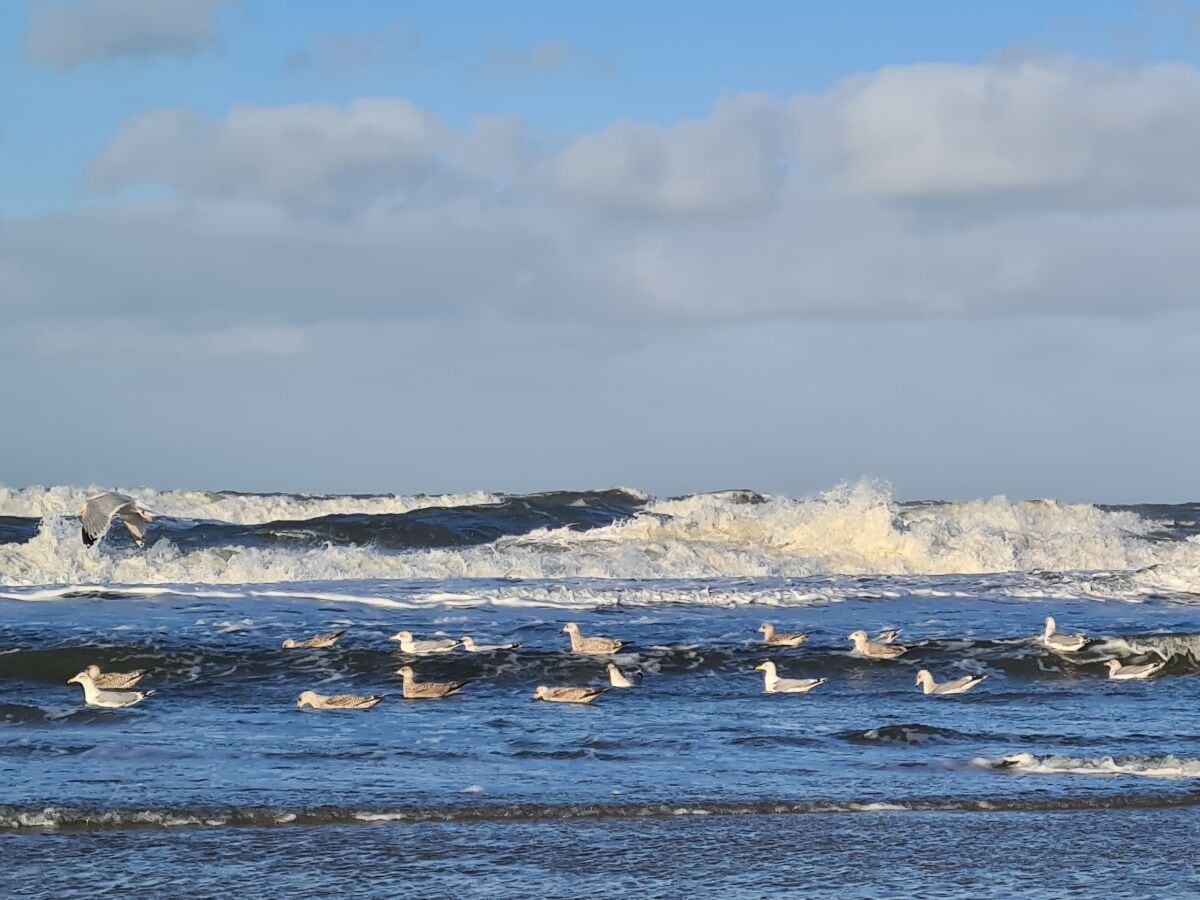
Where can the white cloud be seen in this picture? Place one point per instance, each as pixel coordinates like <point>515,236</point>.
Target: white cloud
<point>306,157</point>
<point>1044,132</point>
<point>68,33</point>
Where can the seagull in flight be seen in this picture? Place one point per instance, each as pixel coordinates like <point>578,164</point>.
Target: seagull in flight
<point>98,512</point>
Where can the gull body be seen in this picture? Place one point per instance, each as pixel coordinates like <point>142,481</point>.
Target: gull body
<point>97,514</point>
<point>568,694</point>
<point>1118,672</point>
<point>773,684</point>
<point>429,690</point>
<point>95,696</point>
<point>468,644</point>
<point>781,638</point>
<point>865,647</point>
<point>422,648</point>
<point>337,701</point>
<point>314,643</point>
<point>1066,643</point>
<point>114,680</point>
<point>957,686</point>
<point>617,678</point>
<point>599,646</point>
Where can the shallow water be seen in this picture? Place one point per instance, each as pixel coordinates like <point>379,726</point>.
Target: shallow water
<point>1029,785</point>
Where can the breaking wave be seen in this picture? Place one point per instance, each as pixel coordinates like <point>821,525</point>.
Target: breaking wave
<point>1170,767</point>
<point>851,530</point>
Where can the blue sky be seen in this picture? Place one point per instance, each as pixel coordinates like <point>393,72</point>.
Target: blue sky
<point>369,246</point>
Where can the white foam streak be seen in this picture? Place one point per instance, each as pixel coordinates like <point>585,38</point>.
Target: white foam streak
<point>1140,766</point>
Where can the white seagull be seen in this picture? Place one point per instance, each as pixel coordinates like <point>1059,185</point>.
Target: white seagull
<point>94,696</point>
<point>957,686</point>
<point>337,701</point>
<point>773,684</point>
<point>320,642</point>
<point>617,678</point>
<point>864,646</point>
<point>468,644</point>
<point>1067,643</point>
<point>1118,672</point>
<point>408,645</point>
<point>98,512</point>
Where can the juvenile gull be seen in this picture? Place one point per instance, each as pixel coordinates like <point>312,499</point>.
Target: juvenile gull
<point>781,638</point>
<point>336,701</point>
<point>865,647</point>
<point>408,645</point>
<point>957,686</point>
<point>468,644</point>
<point>1066,643</point>
<point>117,680</point>
<point>568,694</point>
<point>599,646</point>
<point>429,690</point>
<point>773,684</point>
<point>95,696</point>
<point>1118,672</point>
<point>97,514</point>
<point>314,643</point>
<point>617,678</point>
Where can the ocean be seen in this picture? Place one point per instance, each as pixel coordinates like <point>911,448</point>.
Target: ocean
<point>1046,780</point>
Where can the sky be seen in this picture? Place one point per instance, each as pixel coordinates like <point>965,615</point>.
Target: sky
<point>305,246</point>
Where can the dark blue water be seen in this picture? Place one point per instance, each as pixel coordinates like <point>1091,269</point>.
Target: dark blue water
<point>1048,779</point>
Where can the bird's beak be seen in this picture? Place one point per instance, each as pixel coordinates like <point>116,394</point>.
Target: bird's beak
<point>759,668</point>
<point>74,679</point>
<point>148,516</point>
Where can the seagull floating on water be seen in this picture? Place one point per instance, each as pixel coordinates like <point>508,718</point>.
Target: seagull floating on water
<point>97,514</point>
<point>428,690</point>
<point>773,684</point>
<point>336,701</point>
<point>864,646</point>
<point>314,643</point>
<point>95,696</point>
<point>118,680</point>
<point>957,686</point>
<point>468,644</point>
<point>1066,643</point>
<point>781,638</point>
<point>617,678</point>
<point>1118,672</point>
<point>568,694</point>
<point>408,645</point>
<point>599,646</point>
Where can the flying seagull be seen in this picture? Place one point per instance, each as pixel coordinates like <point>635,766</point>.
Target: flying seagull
<point>98,512</point>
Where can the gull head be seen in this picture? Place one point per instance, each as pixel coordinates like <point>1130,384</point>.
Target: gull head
<point>401,636</point>
<point>571,628</point>
<point>924,677</point>
<point>468,642</point>
<point>768,667</point>
<point>1051,625</point>
<point>80,678</point>
<point>93,671</point>
<point>541,693</point>
<point>308,698</point>
<point>405,671</point>
<point>766,627</point>
<point>859,637</point>
<point>289,644</point>
<point>1114,665</point>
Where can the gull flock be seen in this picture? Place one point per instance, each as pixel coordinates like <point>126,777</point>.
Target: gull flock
<point>114,689</point>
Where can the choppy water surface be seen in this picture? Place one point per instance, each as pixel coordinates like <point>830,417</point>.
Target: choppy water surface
<point>695,776</point>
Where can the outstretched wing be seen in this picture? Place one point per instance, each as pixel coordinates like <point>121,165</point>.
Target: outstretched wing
<point>135,524</point>
<point>98,512</point>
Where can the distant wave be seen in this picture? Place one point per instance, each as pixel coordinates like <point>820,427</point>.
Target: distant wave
<point>852,530</point>
<point>82,819</point>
